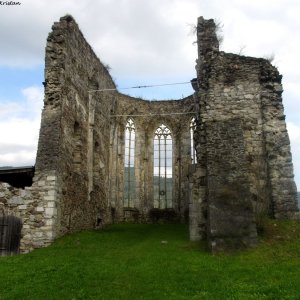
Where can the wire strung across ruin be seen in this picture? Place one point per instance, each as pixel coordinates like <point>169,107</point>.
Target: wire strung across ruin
<point>139,87</point>
<point>152,115</point>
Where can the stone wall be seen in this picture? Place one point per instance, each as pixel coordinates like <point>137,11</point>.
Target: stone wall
<point>78,120</point>
<point>244,168</point>
<point>282,188</point>
<point>231,222</point>
<point>70,185</point>
<point>85,125</point>
<point>79,177</point>
<point>36,207</point>
<point>248,90</point>
<point>147,116</point>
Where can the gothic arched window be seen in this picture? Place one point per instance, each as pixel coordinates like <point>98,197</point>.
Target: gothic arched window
<point>129,173</point>
<point>163,157</point>
<point>193,150</point>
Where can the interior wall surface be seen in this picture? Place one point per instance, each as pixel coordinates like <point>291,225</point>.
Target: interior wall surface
<point>148,116</point>
<point>75,129</point>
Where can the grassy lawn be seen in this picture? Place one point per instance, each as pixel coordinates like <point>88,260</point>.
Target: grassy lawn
<point>131,262</point>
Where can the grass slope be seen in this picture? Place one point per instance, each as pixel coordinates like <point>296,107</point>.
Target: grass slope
<point>130,262</point>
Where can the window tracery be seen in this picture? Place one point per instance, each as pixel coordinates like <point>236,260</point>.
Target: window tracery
<point>192,131</point>
<point>129,166</point>
<point>163,172</point>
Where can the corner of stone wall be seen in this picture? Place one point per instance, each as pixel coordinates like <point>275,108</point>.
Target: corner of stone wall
<point>197,203</point>
<point>208,50</point>
<point>279,159</point>
<point>36,206</point>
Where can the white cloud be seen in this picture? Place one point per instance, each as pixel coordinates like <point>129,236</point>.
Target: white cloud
<point>294,134</point>
<point>139,37</point>
<point>9,109</point>
<point>132,36</point>
<point>19,129</point>
<point>34,96</point>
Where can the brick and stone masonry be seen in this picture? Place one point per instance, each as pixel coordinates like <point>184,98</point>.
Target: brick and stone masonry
<point>244,167</point>
<point>244,160</point>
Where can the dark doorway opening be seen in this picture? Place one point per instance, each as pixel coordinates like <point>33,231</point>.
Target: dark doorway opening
<point>10,235</point>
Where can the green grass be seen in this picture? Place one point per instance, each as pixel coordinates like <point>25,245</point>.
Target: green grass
<point>130,262</point>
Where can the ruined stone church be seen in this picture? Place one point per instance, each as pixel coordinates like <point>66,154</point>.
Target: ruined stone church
<point>217,160</point>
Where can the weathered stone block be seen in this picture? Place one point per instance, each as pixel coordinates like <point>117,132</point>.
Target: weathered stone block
<point>51,204</point>
<point>41,183</point>
<point>50,198</point>
<point>16,200</point>
<point>22,207</point>
<point>50,211</point>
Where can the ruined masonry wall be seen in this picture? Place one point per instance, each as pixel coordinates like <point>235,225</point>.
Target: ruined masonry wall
<point>232,95</point>
<point>231,222</point>
<point>283,190</point>
<point>244,167</point>
<point>74,124</point>
<point>250,89</point>
<point>147,116</point>
<point>70,187</point>
<point>240,98</point>
<point>36,207</point>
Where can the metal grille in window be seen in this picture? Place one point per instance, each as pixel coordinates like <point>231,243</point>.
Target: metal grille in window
<point>193,150</point>
<point>129,177</point>
<point>163,173</point>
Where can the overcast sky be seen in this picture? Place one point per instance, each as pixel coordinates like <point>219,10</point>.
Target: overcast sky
<point>144,42</point>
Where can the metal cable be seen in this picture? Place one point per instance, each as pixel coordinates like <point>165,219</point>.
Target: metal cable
<point>152,115</point>
<point>138,87</point>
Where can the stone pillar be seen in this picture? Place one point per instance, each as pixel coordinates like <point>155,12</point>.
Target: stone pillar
<point>197,203</point>
<point>231,222</point>
<point>198,177</point>
<point>208,48</point>
<point>90,146</point>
